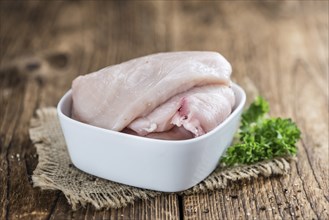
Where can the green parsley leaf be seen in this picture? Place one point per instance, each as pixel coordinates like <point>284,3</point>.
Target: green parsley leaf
<point>256,111</point>
<point>261,137</point>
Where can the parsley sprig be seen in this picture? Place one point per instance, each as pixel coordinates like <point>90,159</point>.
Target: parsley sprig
<point>261,137</point>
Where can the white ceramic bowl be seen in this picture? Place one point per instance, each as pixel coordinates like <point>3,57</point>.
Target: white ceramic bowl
<point>162,165</point>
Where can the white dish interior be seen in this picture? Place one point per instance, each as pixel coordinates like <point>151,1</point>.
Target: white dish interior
<point>162,165</point>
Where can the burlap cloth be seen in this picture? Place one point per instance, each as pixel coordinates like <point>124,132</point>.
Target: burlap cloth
<point>56,172</point>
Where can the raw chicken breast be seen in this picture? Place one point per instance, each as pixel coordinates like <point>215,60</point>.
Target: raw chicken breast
<point>198,110</point>
<point>176,133</point>
<point>113,97</point>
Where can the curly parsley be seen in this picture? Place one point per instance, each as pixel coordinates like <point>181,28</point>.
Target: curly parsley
<point>261,137</point>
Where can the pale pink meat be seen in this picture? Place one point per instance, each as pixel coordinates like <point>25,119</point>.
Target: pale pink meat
<point>113,97</point>
<point>176,133</point>
<point>198,110</point>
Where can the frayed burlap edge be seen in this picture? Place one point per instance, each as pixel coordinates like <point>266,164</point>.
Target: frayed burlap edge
<point>221,177</point>
<point>55,171</point>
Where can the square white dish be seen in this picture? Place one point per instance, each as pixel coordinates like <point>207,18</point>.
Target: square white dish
<point>162,165</point>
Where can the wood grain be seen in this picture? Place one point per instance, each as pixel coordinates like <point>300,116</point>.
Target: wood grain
<point>285,60</point>
<point>277,49</point>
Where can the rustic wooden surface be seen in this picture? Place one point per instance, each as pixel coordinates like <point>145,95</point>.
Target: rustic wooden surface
<point>277,49</point>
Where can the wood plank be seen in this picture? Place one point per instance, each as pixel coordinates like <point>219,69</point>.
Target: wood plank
<point>19,97</point>
<point>39,59</point>
<point>277,50</point>
<point>164,207</point>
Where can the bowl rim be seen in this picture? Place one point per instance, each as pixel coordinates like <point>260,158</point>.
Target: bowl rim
<point>236,110</point>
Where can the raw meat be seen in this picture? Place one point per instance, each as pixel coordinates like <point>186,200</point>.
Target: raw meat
<point>176,133</point>
<point>198,110</point>
<point>113,97</point>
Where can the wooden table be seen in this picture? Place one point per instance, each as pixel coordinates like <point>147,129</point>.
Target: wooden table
<point>278,50</point>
